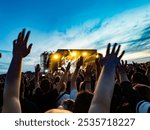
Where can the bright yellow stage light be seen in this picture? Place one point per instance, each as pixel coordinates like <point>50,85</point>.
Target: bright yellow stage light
<point>73,53</point>
<point>84,54</point>
<point>97,56</point>
<point>55,56</point>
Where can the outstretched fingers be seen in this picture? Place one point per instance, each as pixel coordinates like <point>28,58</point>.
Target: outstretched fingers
<point>114,48</point>
<point>126,62</point>
<point>14,42</point>
<point>20,47</point>
<point>108,49</point>
<point>26,37</point>
<point>118,49</point>
<point>22,38</point>
<point>22,34</point>
<point>122,62</point>
<point>114,51</point>
<point>19,38</point>
<point>68,66</point>
<point>121,54</point>
<point>29,47</point>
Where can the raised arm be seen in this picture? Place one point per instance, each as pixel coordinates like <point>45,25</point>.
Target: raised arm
<point>75,74</point>
<point>37,77</point>
<point>134,98</point>
<point>63,78</point>
<point>105,86</point>
<point>87,77</point>
<point>11,94</point>
<point>122,71</point>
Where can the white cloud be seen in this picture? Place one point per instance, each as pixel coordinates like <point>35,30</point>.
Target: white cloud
<point>122,28</point>
<point>137,55</point>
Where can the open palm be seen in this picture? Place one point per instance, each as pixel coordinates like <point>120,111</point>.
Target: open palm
<point>20,48</point>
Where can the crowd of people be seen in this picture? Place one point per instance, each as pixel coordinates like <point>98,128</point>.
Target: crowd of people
<point>110,85</point>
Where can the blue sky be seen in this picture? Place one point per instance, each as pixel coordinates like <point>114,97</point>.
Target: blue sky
<point>58,24</point>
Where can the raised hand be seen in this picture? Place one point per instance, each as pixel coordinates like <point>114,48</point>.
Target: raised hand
<point>89,70</point>
<point>68,66</point>
<point>20,48</point>
<point>112,57</point>
<point>97,62</point>
<point>63,69</point>
<point>37,68</point>
<point>136,65</point>
<point>11,102</point>
<point>122,66</point>
<point>79,62</point>
<point>122,71</point>
<point>106,81</point>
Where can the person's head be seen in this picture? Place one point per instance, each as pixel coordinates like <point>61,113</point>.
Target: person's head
<point>143,90</point>
<point>82,86</point>
<point>45,85</point>
<point>83,102</point>
<point>68,104</point>
<point>38,92</point>
<point>85,86</point>
<point>31,84</point>
<point>57,79</point>
<point>139,78</point>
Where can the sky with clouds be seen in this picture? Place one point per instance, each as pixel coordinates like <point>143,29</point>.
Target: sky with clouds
<point>57,24</point>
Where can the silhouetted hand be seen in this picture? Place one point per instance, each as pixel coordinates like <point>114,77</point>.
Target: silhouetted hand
<point>63,69</point>
<point>136,65</point>
<point>97,61</point>
<point>20,48</point>
<point>0,55</point>
<point>68,66</point>
<point>79,62</point>
<point>122,66</point>
<point>89,70</point>
<point>122,71</point>
<point>37,68</point>
<point>112,57</point>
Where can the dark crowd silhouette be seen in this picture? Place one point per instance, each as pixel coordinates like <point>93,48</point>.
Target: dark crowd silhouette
<point>111,85</point>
